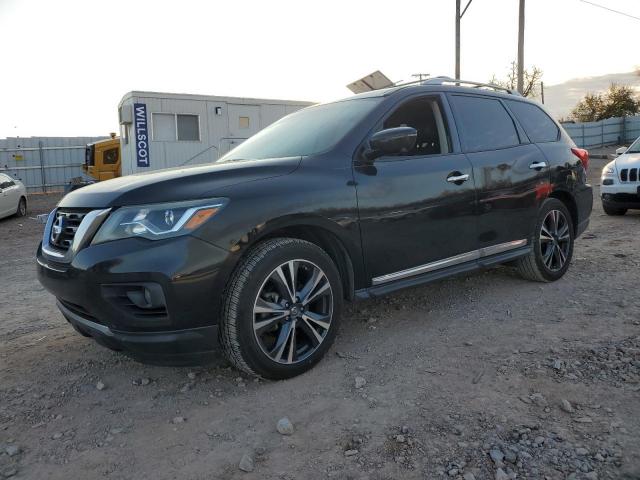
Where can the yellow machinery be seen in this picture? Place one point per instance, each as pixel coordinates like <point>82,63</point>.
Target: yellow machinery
<point>102,159</point>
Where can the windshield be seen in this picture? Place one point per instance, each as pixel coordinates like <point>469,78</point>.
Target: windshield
<point>308,131</point>
<point>635,147</point>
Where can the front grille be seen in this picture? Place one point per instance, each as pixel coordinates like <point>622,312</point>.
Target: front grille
<point>65,226</point>
<point>629,175</point>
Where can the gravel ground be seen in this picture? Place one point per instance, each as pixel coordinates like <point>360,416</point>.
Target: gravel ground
<point>480,376</point>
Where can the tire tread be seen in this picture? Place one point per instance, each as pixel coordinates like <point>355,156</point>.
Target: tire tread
<point>228,331</point>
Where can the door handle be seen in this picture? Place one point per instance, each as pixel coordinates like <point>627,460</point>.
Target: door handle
<point>458,178</point>
<point>536,165</point>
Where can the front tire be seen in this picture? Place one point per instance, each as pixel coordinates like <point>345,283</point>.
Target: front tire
<point>614,211</point>
<point>22,207</point>
<point>552,244</point>
<point>282,308</point>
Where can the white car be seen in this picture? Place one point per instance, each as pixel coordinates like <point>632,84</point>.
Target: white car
<point>620,183</point>
<point>13,197</point>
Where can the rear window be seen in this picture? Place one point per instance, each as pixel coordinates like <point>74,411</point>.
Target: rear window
<point>536,123</point>
<point>485,123</point>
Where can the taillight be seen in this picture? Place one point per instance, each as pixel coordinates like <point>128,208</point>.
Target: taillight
<point>583,155</point>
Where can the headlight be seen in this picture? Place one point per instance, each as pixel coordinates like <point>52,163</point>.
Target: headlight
<point>609,169</point>
<point>158,221</point>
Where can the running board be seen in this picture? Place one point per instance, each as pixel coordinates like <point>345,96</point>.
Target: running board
<point>442,272</point>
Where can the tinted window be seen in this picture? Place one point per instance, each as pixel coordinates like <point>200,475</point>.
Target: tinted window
<point>5,181</point>
<point>485,123</point>
<point>305,132</point>
<point>424,115</point>
<point>536,123</point>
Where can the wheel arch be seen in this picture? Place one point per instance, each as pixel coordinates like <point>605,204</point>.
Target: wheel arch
<point>317,232</point>
<point>567,199</point>
<point>328,242</point>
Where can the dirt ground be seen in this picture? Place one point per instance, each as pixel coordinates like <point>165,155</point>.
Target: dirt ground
<point>480,376</point>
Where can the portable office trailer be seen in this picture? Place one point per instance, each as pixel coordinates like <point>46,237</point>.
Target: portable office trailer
<point>163,130</point>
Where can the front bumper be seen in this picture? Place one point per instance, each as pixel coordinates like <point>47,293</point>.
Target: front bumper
<point>93,294</point>
<point>182,347</point>
<point>621,200</point>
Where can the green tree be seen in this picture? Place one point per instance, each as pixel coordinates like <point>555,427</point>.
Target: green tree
<point>589,108</point>
<point>617,101</point>
<point>531,83</point>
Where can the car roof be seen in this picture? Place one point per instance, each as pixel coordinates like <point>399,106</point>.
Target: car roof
<point>444,84</point>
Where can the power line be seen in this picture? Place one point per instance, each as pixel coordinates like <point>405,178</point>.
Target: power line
<point>611,9</point>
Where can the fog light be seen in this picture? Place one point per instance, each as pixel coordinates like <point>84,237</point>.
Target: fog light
<point>607,181</point>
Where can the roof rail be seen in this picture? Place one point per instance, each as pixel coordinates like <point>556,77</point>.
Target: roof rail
<point>443,79</point>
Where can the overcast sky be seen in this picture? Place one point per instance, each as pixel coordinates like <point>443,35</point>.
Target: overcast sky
<point>67,63</point>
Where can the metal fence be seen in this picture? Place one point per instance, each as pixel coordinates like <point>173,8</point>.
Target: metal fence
<point>612,131</point>
<point>44,164</point>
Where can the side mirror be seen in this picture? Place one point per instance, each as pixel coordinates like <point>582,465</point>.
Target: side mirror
<point>391,141</point>
<point>621,150</point>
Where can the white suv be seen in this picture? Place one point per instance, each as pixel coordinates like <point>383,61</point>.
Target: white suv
<point>620,185</point>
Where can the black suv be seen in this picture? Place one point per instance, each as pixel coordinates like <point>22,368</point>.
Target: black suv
<point>341,201</point>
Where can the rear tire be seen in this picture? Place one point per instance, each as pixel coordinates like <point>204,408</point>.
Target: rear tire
<point>614,211</point>
<point>552,244</point>
<point>263,330</point>
<point>22,207</point>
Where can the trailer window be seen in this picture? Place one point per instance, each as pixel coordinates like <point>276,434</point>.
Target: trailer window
<point>164,127</point>
<point>188,128</point>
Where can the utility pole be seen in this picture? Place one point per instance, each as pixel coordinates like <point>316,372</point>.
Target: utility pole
<point>521,48</point>
<point>457,39</point>
<point>459,16</point>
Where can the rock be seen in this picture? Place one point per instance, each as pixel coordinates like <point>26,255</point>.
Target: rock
<point>538,399</point>
<point>400,438</point>
<point>56,436</point>
<point>9,472</point>
<point>566,406</point>
<point>468,344</point>
<point>591,476</point>
<point>12,450</point>
<point>284,426</point>
<point>141,381</point>
<point>192,376</point>
<point>510,456</point>
<point>469,476</point>
<point>496,455</point>
<point>177,420</point>
<point>538,440</point>
<point>501,475</point>
<point>557,364</point>
<point>350,453</point>
<point>246,463</point>
<point>360,382</point>
<point>453,472</point>
<point>582,451</point>
<point>583,420</point>
<point>404,429</point>
<point>100,386</point>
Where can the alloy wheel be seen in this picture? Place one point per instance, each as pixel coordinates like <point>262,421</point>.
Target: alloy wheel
<point>293,311</point>
<point>555,240</point>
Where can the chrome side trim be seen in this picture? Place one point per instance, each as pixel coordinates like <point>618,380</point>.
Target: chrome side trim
<point>502,247</point>
<point>450,261</point>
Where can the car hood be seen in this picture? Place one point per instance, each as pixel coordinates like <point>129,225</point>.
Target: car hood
<point>176,184</point>
<point>628,160</point>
